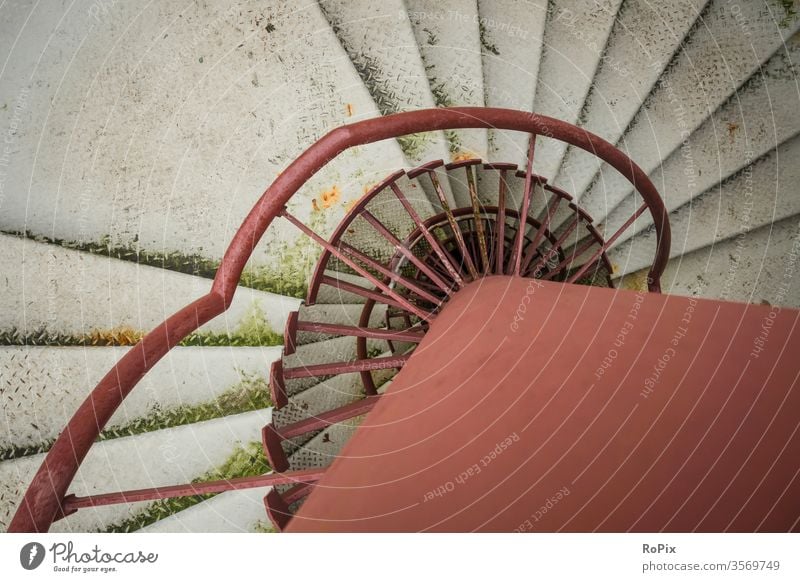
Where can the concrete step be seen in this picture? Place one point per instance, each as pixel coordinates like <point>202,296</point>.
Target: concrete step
<point>163,457</point>
<point>754,267</point>
<point>737,133</point>
<point>48,289</point>
<point>645,37</point>
<point>239,511</point>
<point>759,195</point>
<point>243,511</point>
<point>41,387</point>
<point>575,37</point>
<point>165,140</point>
<point>511,35</point>
<point>722,52</point>
<point>448,35</point>
<point>380,42</point>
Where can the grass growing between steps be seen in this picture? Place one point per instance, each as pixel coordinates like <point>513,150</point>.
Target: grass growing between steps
<point>790,13</point>
<point>263,527</point>
<point>252,393</point>
<point>253,330</point>
<point>258,278</point>
<point>246,461</point>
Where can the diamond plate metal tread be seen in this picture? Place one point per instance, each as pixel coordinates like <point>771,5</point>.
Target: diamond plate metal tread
<point>338,349</point>
<point>575,36</point>
<point>201,119</point>
<point>736,206</point>
<point>511,34</point>
<point>341,314</point>
<point>324,447</point>
<point>41,387</point>
<point>720,54</point>
<point>761,116</point>
<point>162,457</point>
<point>645,37</point>
<point>328,395</point>
<point>448,37</point>
<point>380,42</point>
<point>755,267</point>
<point>328,295</point>
<point>48,289</point>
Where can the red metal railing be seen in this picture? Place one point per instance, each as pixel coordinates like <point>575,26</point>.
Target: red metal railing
<point>46,498</point>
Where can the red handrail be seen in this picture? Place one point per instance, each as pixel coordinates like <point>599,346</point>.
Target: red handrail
<point>42,503</point>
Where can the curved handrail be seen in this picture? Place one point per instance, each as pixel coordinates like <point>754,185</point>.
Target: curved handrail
<point>42,503</point>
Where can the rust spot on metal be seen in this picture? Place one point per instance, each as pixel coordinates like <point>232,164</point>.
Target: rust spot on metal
<point>330,197</point>
<point>349,110</point>
<point>732,128</point>
<point>464,155</point>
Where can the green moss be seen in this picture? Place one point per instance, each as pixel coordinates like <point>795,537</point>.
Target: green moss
<point>252,393</point>
<point>485,42</point>
<point>414,145</point>
<point>15,452</point>
<point>263,527</point>
<point>246,461</point>
<point>190,264</point>
<point>440,96</point>
<point>453,140</point>
<point>289,281</point>
<point>297,261</point>
<point>253,330</point>
<point>790,13</point>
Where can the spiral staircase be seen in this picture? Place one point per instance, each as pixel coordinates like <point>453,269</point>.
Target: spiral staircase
<point>139,139</point>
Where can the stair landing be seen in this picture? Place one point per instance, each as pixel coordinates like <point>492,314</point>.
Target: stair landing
<point>536,406</point>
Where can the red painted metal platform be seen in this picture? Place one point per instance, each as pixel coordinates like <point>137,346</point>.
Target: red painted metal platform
<point>537,406</point>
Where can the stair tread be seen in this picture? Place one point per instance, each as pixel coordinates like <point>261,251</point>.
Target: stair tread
<point>162,457</point>
<point>43,386</point>
<point>448,37</point>
<point>94,292</point>
<point>692,88</point>
<point>511,40</point>
<point>730,139</point>
<point>642,43</point>
<point>751,268</point>
<point>575,36</point>
<point>155,126</point>
<point>723,212</point>
<point>381,45</point>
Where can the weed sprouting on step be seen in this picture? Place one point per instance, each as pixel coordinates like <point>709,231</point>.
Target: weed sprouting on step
<point>246,461</point>
<point>489,47</point>
<point>252,393</point>
<point>414,144</point>
<point>252,330</point>
<point>260,279</point>
<point>263,527</point>
<point>790,13</point>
